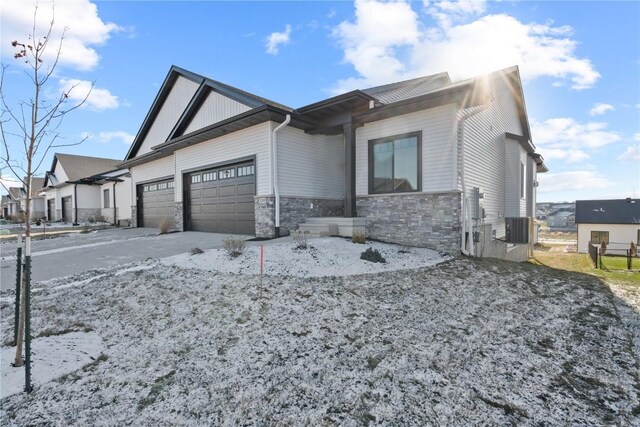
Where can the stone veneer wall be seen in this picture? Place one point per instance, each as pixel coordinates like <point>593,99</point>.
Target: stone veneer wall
<point>134,216</point>
<point>414,219</point>
<point>85,214</point>
<point>178,217</point>
<point>293,212</point>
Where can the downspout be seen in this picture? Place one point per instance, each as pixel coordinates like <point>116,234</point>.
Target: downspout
<point>465,206</point>
<point>115,209</point>
<point>274,170</point>
<point>75,202</point>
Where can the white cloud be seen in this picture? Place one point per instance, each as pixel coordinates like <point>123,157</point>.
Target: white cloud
<point>85,29</point>
<point>446,11</point>
<point>119,135</point>
<point>274,40</point>
<point>572,180</point>
<point>632,153</point>
<point>599,109</point>
<point>570,156</point>
<point>566,132</point>
<point>99,99</point>
<point>388,42</point>
<point>369,44</point>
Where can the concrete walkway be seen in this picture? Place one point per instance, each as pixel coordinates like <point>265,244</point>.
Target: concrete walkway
<point>64,256</point>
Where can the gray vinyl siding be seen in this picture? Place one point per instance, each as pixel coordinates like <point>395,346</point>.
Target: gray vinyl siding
<point>485,153</point>
<point>253,141</point>
<point>157,169</point>
<point>438,145</point>
<point>214,109</point>
<point>531,190</point>
<point>516,205</point>
<point>172,108</point>
<point>310,165</point>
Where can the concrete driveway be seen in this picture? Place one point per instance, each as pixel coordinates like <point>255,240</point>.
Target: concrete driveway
<point>76,253</point>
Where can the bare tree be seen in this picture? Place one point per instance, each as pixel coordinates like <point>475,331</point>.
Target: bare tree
<point>30,128</point>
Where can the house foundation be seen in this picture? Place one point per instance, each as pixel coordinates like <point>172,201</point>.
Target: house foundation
<point>430,220</point>
<point>293,212</point>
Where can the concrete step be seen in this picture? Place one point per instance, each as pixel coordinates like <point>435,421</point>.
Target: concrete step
<point>336,220</point>
<point>334,226</point>
<point>322,230</point>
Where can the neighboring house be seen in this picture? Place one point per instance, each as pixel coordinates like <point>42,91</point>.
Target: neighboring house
<point>82,188</point>
<point>13,202</point>
<point>616,222</point>
<point>4,206</point>
<point>402,160</point>
<point>562,220</point>
<point>37,202</point>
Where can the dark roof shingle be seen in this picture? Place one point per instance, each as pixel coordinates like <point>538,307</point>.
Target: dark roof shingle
<point>616,211</point>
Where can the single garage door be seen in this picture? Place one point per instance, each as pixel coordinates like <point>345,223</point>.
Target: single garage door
<point>221,199</point>
<point>67,209</point>
<point>51,209</point>
<point>156,201</point>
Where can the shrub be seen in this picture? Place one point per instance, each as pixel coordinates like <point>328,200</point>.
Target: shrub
<point>372,255</point>
<point>603,247</point>
<point>85,228</point>
<point>234,245</point>
<point>92,219</point>
<point>164,225</point>
<point>300,239</point>
<point>100,218</point>
<point>196,251</point>
<point>359,238</point>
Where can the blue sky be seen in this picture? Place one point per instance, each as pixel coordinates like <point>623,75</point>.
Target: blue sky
<point>580,62</point>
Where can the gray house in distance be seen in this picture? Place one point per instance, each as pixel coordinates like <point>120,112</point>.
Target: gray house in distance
<point>425,162</point>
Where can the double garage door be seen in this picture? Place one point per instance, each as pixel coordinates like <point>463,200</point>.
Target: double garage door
<point>219,200</point>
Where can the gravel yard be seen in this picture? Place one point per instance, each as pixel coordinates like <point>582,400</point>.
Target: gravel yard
<point>462,342</point>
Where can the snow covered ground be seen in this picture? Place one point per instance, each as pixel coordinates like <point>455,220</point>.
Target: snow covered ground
<point>462,342</point>
<point>323,257</point>
<point>51,358</point>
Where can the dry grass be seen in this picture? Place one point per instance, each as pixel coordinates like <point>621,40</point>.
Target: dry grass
<point>582,264</point>
<point>164,226</point>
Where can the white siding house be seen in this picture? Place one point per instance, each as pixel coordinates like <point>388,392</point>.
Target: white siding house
<point>615,221</point>
<point>390,159</point>
<point>74,190</point>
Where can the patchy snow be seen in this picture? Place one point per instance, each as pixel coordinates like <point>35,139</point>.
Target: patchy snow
<point>72,248</point>
<point>464,342</point>
<point>323,257</point>
<point>51,357</point>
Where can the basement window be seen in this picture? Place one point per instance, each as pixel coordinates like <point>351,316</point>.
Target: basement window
<point>394,164</point>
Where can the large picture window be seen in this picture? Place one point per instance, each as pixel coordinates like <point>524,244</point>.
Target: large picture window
<point>394,164</point>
